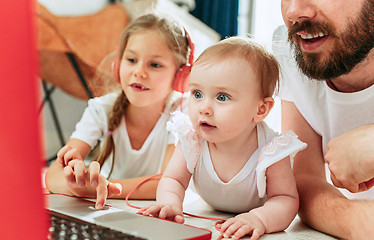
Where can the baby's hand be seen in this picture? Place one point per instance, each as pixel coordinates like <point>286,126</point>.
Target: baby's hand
<point>164,211</point>
<point>241,225</point>
<point>66,154</point>
<point>89,182</point>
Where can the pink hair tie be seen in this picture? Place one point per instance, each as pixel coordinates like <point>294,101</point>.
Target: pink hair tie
<point>109,133</point>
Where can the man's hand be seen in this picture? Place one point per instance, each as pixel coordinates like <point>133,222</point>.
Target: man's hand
<point>350,158</point>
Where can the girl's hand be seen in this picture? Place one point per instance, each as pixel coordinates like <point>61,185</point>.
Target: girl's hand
<point>164,211</point>
<point>89,182</point>
<point>241,225</point>
<point>66,154</point>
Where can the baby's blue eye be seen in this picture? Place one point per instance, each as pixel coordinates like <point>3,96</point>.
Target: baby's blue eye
<point>197,94</point>
<point>222,97</point>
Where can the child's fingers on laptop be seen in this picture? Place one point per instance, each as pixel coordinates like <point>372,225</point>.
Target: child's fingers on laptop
<point>61,154</point>
<point>80,172</point>
<point>94,171</point>
<point>114,189</point>
<point>167,212</point>
<point>71,154</point>
<point>172,213</point>
<point>101,192</point>
<point>179,219</point>
<point>152,209</point>
<point>69,174</point>
<point>163,211</point>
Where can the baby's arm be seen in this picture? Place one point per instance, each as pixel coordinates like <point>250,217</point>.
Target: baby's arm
<point>283,200</point>
<point>171,190</point>
<point>278,211</point>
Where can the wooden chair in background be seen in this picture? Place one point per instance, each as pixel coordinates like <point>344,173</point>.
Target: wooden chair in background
<point>71,49</point>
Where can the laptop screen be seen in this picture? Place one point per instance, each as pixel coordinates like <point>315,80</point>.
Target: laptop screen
<point>22,204</point>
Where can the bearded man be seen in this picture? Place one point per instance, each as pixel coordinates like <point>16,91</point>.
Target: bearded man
<point>327,90</point>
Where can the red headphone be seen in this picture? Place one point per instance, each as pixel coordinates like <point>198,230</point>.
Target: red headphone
<point>181,79</point>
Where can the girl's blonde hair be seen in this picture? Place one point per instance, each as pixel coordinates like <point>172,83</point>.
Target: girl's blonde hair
<point>174,35</point>
<point>263,63</point>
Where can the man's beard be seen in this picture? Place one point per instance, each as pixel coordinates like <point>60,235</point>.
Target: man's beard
<point>350,48</point>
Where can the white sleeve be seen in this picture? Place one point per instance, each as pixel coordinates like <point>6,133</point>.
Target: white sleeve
<point>181,127</point>
<point>178,102</point>
<point>94,122</point>
<point>286,144</point>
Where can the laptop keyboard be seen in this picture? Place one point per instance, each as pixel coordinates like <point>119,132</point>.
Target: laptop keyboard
<point>67,227</point>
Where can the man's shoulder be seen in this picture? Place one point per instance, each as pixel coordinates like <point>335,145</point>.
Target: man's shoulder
<point>280,44</point>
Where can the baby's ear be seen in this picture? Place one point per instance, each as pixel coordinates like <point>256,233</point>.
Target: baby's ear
<point>264,108</point>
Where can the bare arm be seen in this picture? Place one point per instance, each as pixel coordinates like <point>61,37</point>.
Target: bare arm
<point>69,175</point>
<point>175,180</point>
<point>55,178</point>
<point>171,190</point>
<point>278,211</point>
<point>322,206</point>
<point>283,200</point>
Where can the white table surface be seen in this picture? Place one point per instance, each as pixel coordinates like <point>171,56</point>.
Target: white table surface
<point>195,205</point>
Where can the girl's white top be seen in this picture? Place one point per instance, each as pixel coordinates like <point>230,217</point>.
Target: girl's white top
<point>129,162</point>
<point>246,190</point>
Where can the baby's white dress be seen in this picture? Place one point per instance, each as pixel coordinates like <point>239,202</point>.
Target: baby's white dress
<point>246,190</point>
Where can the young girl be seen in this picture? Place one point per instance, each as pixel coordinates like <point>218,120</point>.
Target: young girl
<point>132,123</point>
<point>237,162</point>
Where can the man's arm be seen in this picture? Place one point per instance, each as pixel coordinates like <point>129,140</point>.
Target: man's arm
<point>322,206</point>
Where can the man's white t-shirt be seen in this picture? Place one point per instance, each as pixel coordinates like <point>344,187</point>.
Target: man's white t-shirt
<point>129,162</point>
<point>328,112</point>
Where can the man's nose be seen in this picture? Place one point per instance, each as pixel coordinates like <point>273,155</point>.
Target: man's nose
<point>300,10</point>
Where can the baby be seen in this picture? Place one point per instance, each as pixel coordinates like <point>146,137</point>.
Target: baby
<point>237,162</point>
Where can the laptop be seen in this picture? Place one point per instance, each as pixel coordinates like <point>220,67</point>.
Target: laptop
<point>113,219</point>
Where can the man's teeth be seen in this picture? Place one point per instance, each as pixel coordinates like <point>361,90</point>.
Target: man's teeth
<point>310,36</point>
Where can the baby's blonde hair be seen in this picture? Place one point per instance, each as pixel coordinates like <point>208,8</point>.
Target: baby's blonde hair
<point>263,63</point>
